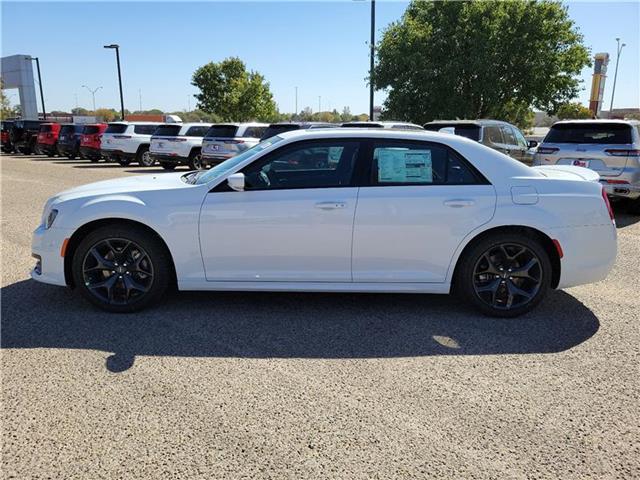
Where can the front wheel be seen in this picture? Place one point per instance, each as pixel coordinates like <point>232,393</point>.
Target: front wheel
<point>121,268</point>
<point>195,161</point>
<point>504,275</point>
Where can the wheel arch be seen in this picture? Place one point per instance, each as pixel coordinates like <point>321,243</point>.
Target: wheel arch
<point>543,238</point>
<point>82,231</point>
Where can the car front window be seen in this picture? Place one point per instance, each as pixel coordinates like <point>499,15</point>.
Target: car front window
<point>233,162</point>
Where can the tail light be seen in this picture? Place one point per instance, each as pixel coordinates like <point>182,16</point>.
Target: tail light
<point>547,150</point>
<point>234,141</point>
<point>49,135</point>
<point>122,136</point>
<point>177,139</point>
<point>96,138</point>
<point>621,152</point>
<point>616,182</point>
<point>608,204</point>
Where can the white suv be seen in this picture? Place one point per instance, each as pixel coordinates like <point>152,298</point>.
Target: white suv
<point>226,140</point>
<point>174,144</point>
<point>124,142</point>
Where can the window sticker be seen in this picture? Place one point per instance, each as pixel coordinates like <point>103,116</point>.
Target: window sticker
<point>404,166</point>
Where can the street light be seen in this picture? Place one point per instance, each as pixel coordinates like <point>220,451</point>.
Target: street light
<point>373,39</point>
<point>44,111</point>
<point>93,94</point>
<point>615,75</point>
<point>117,49</point>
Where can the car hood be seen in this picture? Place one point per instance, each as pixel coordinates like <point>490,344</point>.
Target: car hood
<point>127,185</point>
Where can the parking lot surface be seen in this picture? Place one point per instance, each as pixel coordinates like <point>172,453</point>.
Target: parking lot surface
<point>344,386</point>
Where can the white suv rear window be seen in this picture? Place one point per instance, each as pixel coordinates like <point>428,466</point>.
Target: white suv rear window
<point>604,133</point>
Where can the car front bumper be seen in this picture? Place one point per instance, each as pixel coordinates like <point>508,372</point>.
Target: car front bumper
<point>46,248</point>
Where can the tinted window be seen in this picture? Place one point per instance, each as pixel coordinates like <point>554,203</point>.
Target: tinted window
<point>91,129</point>
<point>116,128</point>
<point>311,164</point>
<point>254,132</point>
<point>45,128</point>
<point>222,131</point>
<point>65,129</point>
<point>78,129</point>
<point>589,133</point>
<point>418,163</point>
<point>492,134</point>
<point>507,134</point>
<point>362,125</point>
<point>469,131</point>
<point>522,142</point>
<point>146,129</point>
<point>167,130</point>
<point>273,130</point>
<point>198,131</point>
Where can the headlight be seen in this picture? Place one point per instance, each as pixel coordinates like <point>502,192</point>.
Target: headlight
<point>50,218</point>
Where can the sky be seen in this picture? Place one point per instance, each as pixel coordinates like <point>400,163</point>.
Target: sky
<point>320,47</point>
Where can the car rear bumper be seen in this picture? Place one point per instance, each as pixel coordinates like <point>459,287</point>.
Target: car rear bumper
<point>175,159</point>
<point>46,247</point>
<point>213,160</point>
<point>116,154</point>
<point>47,148</point>
<point>90,152</point>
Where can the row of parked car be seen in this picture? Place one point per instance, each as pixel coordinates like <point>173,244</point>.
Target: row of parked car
<point>609,147</point>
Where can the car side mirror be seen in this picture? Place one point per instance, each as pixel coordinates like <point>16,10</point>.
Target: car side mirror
<point>532,144</point>
<point>236,182</point>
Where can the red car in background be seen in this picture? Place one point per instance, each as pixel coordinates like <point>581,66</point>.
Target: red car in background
<point>48,138</point>
<point>90,141</point>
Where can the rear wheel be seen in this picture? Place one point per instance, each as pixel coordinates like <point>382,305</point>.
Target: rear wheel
<point>121,268</point>
<point>195,161</point>
<point>168,166</point>
<point>144,158</point>
<point>504,275</point>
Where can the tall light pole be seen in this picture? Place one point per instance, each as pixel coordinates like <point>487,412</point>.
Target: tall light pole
<point>373,40</point>
<point>93,94</point>
<point>44,111</point>
<point>615,75</point>
<point>116,47</point>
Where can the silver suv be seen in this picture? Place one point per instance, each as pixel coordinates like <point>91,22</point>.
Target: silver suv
<point>226,140</point>
<point>609,147</point>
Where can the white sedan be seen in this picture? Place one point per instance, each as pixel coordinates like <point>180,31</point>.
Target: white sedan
<point>335,210</point>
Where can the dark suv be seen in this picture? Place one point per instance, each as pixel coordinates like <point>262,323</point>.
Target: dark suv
<point>277,128</point>
<point>501,136</point>
<point>69,140</point>
<point>24,135</point>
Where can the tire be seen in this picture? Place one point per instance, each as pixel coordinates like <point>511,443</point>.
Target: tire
<point>144,158</point>
<point>486,274</point>
<point>124,162</point>
<point>633,207</point>
<point>195,161</point>
<point>102,268</point>
<point>168,166</point>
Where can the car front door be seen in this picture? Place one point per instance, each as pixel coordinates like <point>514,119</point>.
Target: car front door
<point>419,201</point>
<point>525,154</point>
<point>292,223</point>
<point>510,142</point>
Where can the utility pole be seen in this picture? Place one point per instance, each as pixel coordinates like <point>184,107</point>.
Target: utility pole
<point>615,75</point>
<point>140,97</point>
<point>93,95</point>
<point>371,59</point>
<point>319,103</point>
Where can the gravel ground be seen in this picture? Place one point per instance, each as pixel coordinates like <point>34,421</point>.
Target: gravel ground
<point>309,385</point>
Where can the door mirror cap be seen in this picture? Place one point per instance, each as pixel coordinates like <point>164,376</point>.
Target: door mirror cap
<point>532,144</point>
<point>236,182</point>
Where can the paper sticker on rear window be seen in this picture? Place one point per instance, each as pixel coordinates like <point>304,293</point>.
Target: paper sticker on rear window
<point>398,165</point>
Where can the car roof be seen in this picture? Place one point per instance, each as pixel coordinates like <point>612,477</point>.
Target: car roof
<point>125,122</point>
<point>598,120</point>
<point>382,124</point>
<point>301,124</point>
<point>479,122</point>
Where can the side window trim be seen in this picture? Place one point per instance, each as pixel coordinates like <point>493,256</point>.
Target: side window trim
<point>364,169</point>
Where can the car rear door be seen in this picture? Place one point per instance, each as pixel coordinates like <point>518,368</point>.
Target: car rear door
<point>292,223</point>
<point>418,201</point>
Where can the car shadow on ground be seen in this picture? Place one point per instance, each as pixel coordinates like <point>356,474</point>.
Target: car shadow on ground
<point>286,325</point>
<point>623,218</point>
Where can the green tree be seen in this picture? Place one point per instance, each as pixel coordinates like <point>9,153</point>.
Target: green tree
<point>6,110</point>
<point>572,111</point>
<point>479,59</point>
<point>231,92</point>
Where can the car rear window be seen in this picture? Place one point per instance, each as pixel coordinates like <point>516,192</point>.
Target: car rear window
<point>45,128</point>
<point>79,128</point>
<point>603,133</point>
<point>197,131</point>
<point>116,128</point>
<point>222,131</point>
<point>91,129</point>
<point>64,129</point>
<point>274,130</point>
<point>254,132</point>
<point>362,125</point>
<point>167,130</point>
<point>146,129</point>
<point>469,131</point>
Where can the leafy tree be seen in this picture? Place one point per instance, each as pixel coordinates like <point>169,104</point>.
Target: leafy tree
<point>6,110</point>
<point>107,114</point>
<point>80,111</point>
<point>572,111</point>
<point>231,92</point>
<point>479,59</point>
<point>346,115</point>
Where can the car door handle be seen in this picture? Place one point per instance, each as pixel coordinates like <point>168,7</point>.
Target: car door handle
<point>330,205</point>
<point>459,203</point>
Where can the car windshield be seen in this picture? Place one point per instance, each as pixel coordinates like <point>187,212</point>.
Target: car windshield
<point>226,166</point>
<point>599,133</point>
